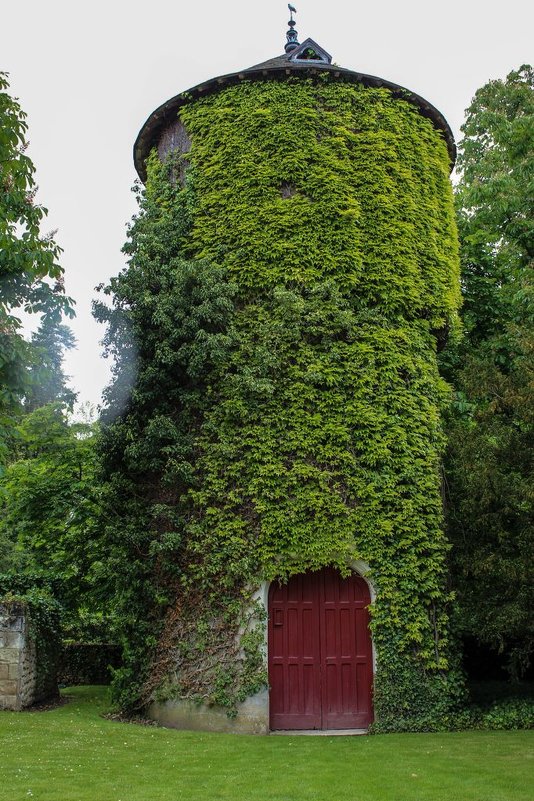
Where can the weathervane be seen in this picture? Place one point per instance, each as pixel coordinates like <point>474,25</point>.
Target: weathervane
<point>292,36</point>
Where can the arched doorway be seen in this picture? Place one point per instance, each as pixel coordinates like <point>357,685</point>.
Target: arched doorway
<point>320,652</point>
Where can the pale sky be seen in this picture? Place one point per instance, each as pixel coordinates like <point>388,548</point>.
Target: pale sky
<point>88,75</point>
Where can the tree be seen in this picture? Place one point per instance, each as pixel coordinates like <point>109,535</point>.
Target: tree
<point>49,499</point>
<point>491,491</point>
<point>30,276</point>
<point>48,382</point>
<point>168,330</point>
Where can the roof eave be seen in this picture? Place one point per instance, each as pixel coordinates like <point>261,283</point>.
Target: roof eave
<point>167,112</point>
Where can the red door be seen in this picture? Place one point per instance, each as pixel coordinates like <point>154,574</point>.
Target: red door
<point>320,657</point>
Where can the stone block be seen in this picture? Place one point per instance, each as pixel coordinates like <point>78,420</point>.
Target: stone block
<point>4,672</point>
<point>11,618</point>
<point>9,656</point>
<point>13,671</point>
<point>9,702</point>
<point>8,687</point>
<point>12,639</point>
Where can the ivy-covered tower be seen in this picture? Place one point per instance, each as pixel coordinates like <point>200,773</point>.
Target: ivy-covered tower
<point>293,274</point>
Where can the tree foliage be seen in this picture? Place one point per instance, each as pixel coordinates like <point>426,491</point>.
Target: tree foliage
<point>490,468</point>
<point>167,329</point>
<point>49,498</point>
<point>47,380</point>
<point>30,276</point>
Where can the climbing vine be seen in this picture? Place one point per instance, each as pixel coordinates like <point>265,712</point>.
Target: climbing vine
<point>276,334</point>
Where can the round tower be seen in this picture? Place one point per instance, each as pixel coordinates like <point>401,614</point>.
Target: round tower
<point>315,205</point>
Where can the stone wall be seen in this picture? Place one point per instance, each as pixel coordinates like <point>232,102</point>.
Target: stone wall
<point>21,682</point>
<point>252,715</point>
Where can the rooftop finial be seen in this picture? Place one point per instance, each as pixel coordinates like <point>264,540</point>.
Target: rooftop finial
<point>292,36</point>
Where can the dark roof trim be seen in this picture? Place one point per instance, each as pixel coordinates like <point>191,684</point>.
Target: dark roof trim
<point>278,68</point>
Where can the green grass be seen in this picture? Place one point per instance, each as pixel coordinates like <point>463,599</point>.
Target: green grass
<point>72,754</point>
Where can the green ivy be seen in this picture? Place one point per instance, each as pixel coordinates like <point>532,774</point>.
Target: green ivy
<point>370,201</point>
<point>286,305</point>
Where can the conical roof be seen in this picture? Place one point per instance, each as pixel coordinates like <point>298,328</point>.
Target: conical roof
<point>296,62</point>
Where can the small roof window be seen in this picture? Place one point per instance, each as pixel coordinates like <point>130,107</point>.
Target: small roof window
<point>311,51</point>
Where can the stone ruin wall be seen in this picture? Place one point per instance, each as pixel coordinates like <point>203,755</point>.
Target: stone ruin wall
<point>19,684</point>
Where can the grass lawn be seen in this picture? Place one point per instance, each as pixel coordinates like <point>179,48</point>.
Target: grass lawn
<point>72,754</point>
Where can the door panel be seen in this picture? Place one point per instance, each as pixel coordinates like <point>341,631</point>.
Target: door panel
<point>320,653</point>
<point>294,660</point>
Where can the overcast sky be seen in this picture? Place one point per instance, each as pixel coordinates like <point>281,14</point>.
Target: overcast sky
<point>88,75</point>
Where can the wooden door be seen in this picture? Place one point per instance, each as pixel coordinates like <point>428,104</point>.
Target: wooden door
<point>320,657</point>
